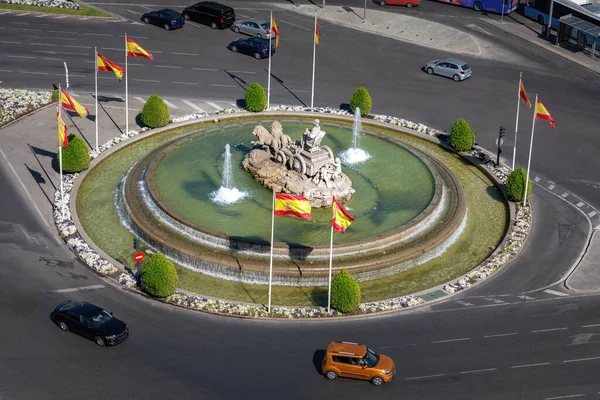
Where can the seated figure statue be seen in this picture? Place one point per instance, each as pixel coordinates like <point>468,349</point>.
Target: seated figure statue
<point>312,138</point>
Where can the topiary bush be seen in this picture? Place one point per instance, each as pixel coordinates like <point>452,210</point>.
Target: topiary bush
<point>345,292</point>
<point>155,113</point>
<point>255,98</point>
<point>76,157</point>
<point>159,277</point>
<point>515,185</point>
<point>54,95</point>
<point>462,137</point>
<point>361,99</point>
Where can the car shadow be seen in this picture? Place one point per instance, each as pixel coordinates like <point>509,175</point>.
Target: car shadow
<point>318,360</point>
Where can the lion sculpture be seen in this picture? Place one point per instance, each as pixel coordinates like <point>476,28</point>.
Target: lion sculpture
<point>265,138</point>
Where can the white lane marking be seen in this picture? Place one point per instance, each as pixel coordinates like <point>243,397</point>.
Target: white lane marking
<point>551,187</point>
<point>185,54</point>
<point>22,15</point>
<point>502,334</point>
<point>145,80</point>
<point>186,83</point>
<point>83,19</point>
<point>53,59</point>
<point>423,377</point>
<point>167,66</point>
<point>76,289</point>
<point>537,179</point>
<point>530,365</point>
<point>69,32</point>
<point>233,104</point>
<point>140,99</point>
<point>9,42</point>
<point>43,44</point>
<point>242,72</point>
<point>27,29</point>
<point>154,51</point>
<point>134,37</point>
<point>580,204</point>
<point>452,340</point>
<point>5,70</point>
<point>97,34</point>
<point>549,330</point>
<point>78,47</point>
<point>299,91</point>
<point>297,26</point>
<point>136,65</point>
<point>569,396</point>
<point>20,56</point>
<point>62,17</point>
<point>493,300</point>
<point>78,76</point>
<point>565,195</point>
<point>170,104</point>
<point>195,107</point>
<point>112,48</point>
<point>478,28</point>
<point>581,359</point>
<point>555,293</point>
<point>526,297</point>
<point>463,303</point>
<point>217,85</point>
<point>592,214</point>
<point>8,12</point>
<point>478,370</point>
<point>73,93</point>
<point>590,326</point>
<point>204,69</point>
<point>133,12</point>
<point>216,106</point>
<point>33,73</point>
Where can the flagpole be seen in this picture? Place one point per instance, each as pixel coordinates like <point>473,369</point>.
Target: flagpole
<point>271,259</point>
<point>330,267</point>
<point>62,192</point>
<point>96,63</point>
<point>269,81</point>
<point>530,148</point>
<point>312,92</point>
<point>517,123</point>
<point>126,91</point>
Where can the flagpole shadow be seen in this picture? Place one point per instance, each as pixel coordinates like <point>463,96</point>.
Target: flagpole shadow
<point>286,88</point>
<point>36,151</point>
<point>39,179</point>
<point>106,99</point>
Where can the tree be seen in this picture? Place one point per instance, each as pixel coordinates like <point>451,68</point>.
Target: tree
<point>159,276</point>
<point>76,157</point>
<point>345,292</point>
<point>515,185</point>
<point>361,99</point>
<point>462,137</point>
<point>155,113</point>
<point>255,98</point>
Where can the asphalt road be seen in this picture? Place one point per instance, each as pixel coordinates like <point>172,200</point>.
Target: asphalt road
<point>511,348</point>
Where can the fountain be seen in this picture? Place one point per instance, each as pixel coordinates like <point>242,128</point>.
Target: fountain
<point>227,193</point>
<point>355,155</point>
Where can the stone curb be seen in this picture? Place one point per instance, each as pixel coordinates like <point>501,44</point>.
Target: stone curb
<point>591,237</point>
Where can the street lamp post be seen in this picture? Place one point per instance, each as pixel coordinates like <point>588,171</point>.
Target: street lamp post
<point>549,26</point>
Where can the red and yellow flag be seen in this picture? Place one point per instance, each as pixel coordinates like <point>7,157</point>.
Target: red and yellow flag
<point>135,50</point>
<point>316,31</point>
<point>105,64</point>
<point>63,140</point>
<point>542,113</point>
<point>341,218</point>
<point>69,103</point>
<point>523,94</point>
<point>287,204</point>
<point>276,30</point>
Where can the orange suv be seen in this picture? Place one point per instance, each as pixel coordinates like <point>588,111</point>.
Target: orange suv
<point>353,360</point>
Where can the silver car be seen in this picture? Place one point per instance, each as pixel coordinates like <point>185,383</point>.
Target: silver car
<point>449,67</point>
<point>254,27</point>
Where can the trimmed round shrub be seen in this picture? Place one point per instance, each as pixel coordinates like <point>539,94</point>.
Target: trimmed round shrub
<point>159,277</point>
<point>462,137</point>
<point>54,95</point>
<point>361,99</point>
<point>255,98</point>
<point>76,157</point>
<point>155,113</point>
<point>515,185</point>
<point>345,292</point>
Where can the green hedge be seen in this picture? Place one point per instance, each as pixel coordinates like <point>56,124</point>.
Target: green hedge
<point>155,113</point>
<point>345,292</point>
<point>462,137</point>
<point>361,99</point>
<point>515,185</point>
<point>159,277</point>
<point>76,157</point>
<point>255,98</point>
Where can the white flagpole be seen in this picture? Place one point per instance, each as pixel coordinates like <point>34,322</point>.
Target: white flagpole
<point>312,92</point>
<point>126,91</point>
<point>517,123</point>
<point>271,259</point>
<point>96,63</point>
<point>269,81</point>
<point>530,148</point>
<point>62,192</point>
<point>330,267</point>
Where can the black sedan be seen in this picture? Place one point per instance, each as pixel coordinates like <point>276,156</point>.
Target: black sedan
<point>168,19</point>
<point>90,321</point>
<point>257,47</point>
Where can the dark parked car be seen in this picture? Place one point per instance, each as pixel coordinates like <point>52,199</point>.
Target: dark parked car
<point>90,321</point>
<point>257,47</point>
<point>168,19</point>
<point>215,15</point>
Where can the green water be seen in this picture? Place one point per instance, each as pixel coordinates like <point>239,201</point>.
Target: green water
<point>392,188</point>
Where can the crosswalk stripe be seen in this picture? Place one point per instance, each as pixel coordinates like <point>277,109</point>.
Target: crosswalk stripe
<point>555,293</point>
<point>233,104</point>
<point>195,107</point>
<point>493,300</point>
<point>218,107</point>
<point>463,303</point>
<point>592,214</point>
<point>581,203</point>
<point>170,104</point>
<point>551,187</point>
<point>139,99</point>
<point>526,297</point>
<point>537,179</point>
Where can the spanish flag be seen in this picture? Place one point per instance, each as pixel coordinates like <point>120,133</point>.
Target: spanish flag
<point>523,94</point>
<point>316,31</point>
<point>276,30</point>
<point>341,218</point>
<point>542,113</point>
<point>287,204</point>
<point>135,50</point>
<point>63,140</point>
<point>69,103</point>
<point>105,64</point>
